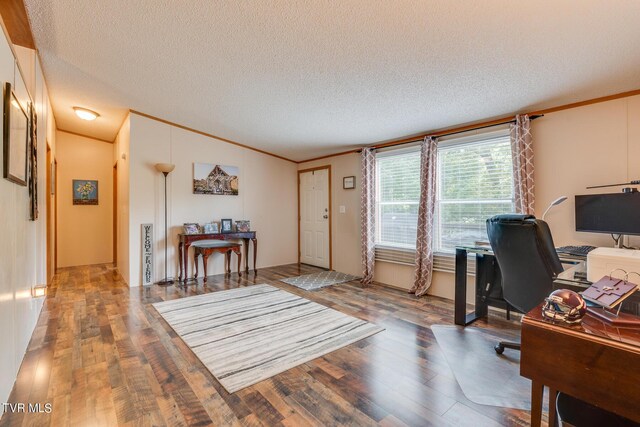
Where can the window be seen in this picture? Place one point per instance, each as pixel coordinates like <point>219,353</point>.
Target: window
<point>474,182</point>
<point>397,198</point>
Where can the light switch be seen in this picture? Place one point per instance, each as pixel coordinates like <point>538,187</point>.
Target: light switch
<point>343,209</point>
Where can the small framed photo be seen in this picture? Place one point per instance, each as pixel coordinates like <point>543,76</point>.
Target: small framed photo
<point>349,182</point>
<point>191,228</point>
<point>211,228</point>
<point>243,226</point>
<point>226,225</point>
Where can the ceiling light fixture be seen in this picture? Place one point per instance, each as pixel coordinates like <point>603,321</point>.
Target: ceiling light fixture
<point>85,114</point>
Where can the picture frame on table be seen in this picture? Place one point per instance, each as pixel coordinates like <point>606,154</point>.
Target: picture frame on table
<point>191,228</point>
<point>211,228</point>
<point>349,182</point>
<point>243,226</point>
<point>226,225</point>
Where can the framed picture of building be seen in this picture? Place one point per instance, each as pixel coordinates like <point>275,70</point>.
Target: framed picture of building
<point>215,179</point>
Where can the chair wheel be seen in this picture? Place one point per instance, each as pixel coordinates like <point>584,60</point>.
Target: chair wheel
<point>499,348</point>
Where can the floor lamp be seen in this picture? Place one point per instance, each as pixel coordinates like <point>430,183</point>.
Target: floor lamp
<point>165,168</point>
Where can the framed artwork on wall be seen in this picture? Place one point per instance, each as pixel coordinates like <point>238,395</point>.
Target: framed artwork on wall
<point>215,179</point>
<point>15,137</point>
<point>85,192</point>
<point>349,182</point>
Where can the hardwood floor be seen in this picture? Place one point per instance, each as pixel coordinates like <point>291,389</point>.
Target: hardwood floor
<point>102,355</point>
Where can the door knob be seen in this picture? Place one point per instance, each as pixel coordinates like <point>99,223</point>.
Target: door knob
<point>325,216</point>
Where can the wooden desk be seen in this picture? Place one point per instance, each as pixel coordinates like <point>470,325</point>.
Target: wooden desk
<point>594,362</point>
<point>187,239</point>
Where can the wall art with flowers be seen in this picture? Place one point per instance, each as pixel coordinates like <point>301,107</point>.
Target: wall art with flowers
<point>85,192</point>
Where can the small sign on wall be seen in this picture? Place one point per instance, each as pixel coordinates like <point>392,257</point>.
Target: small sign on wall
<point>147,254</point>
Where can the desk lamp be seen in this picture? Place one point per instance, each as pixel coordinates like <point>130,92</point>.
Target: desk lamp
<point>556,202</point>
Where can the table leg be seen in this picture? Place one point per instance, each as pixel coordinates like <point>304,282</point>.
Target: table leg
<point>239,253</point>
<point>180,261</point>
<point>196,254</point>
<point>227,260</point>
<point>185,259</point>
<point>553,395</point>
<point>245,243</point>
<point>536,403</point>
<point>255,254</point>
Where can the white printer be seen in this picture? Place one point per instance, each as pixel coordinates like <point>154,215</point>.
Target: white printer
<point>602,261</point>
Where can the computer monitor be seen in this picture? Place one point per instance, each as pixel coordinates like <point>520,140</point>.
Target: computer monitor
<point>616,213</point>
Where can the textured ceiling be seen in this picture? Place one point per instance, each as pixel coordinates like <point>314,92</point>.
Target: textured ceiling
<point>304,78</point>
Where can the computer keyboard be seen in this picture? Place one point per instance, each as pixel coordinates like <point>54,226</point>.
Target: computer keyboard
<point>581,251</point>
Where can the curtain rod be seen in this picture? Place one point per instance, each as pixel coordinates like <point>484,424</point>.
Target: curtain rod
<point>440,135</point>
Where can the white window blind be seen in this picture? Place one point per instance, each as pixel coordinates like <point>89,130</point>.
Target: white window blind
<point>397,198</point>
<point>474,182</point>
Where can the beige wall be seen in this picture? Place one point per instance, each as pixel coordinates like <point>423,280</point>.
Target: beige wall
<point>85,232</point>
<point>121,156</point>
<point>23,250</point>
<point>267,195</point>
<point>575,148</point>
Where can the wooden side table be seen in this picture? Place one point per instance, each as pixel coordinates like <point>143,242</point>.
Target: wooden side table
<point>206,248</point>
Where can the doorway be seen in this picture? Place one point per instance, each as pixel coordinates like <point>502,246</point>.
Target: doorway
<point>314,216</point>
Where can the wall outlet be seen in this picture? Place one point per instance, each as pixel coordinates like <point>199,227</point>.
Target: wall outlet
<point>343,209</point>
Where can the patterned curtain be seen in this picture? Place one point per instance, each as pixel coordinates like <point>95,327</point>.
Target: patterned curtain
<point>426,211</point>
<point>367,214</point>
<point>522,154</point>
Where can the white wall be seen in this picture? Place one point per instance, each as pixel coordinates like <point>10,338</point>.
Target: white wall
<point>85,232</point>
<point>574,148</point>
<point>267,195</point>
<point>23,249</point>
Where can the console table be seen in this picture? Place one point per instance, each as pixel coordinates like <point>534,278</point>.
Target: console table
<point>187,239</point>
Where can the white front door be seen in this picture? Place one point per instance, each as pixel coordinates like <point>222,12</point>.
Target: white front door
<point>314,217</point>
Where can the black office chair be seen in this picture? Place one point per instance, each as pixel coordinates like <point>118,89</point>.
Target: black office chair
<point>528,261</point>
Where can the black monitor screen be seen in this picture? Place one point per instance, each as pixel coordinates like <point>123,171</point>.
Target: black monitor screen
<point>617,213</point>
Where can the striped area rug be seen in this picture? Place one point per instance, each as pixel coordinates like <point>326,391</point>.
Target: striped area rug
<point>246,335</point>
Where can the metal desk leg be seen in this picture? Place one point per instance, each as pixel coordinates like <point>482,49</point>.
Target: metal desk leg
<point>460,303</point>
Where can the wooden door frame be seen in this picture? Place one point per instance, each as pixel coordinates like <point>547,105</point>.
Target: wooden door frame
<point>301,171</point>
<point>47,193</point>
<point>115,214</point>
<point>55,208</point>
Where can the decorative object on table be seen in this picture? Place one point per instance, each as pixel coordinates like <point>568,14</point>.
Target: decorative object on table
<point>191,228</point>
<point>85,192</point>
<point>248,334</point>
<point>349,182</point>
<point>15,138</point>
<point>146,241</point>
<point>226,225</point>
<point>610,291</point>
<point>210,228</point>
<point>243,226</point>
<point>165,169</point>
<point>475,367</point>
<point>215,179</point>
<point>565,306</point>
<point>33,164</point>
<point>314,281</point>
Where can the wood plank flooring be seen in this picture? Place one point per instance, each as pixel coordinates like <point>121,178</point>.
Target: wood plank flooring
<point>102,355</point>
